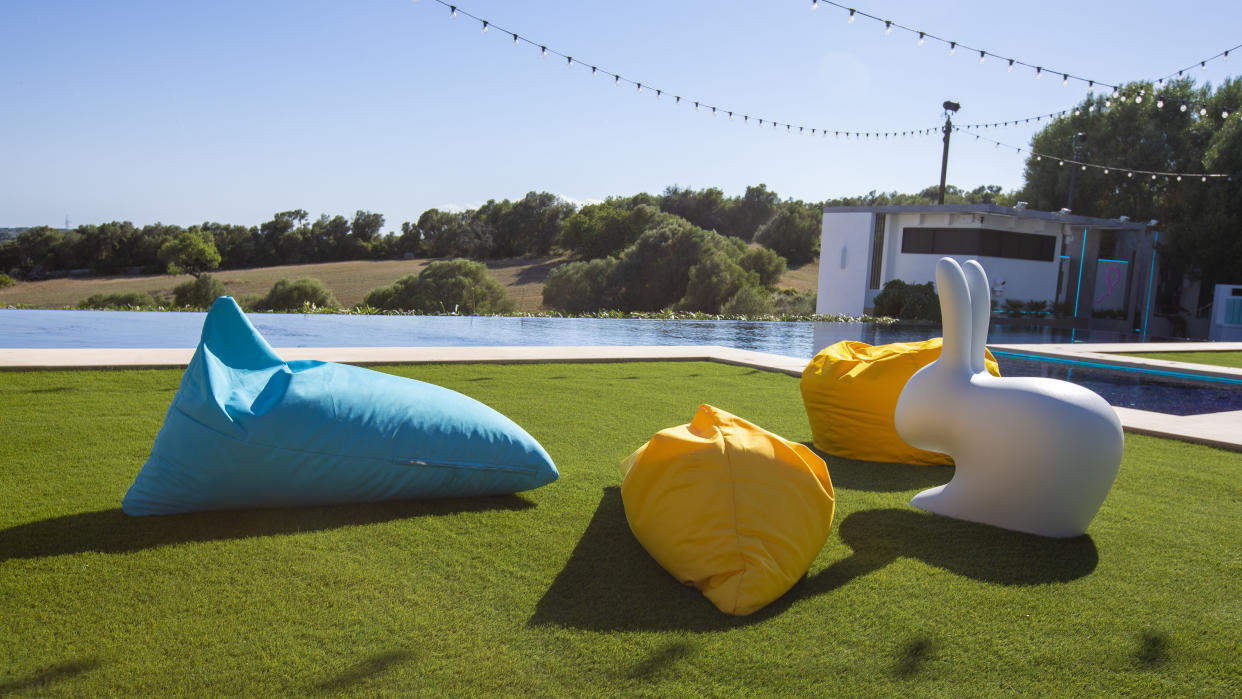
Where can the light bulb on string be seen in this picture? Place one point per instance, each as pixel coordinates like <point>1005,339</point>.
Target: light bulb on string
<point>952,47</point>
<point>1203,111</point>
<point>1205,179</point>
<point>1225,58</point>
<point>1202,65</point>
<point>981,56</point>
<point>515,39</point>
<point>888,27</point>
<point>1105,171</point>
<point>1138,99</point>
<point>1130,175</point>
<point>921,35</point>
<point>640,87</point>
<point>1159,104</point>
<point>814,4</point>
<point>1224,114</point>
<point>452,10</point>
<point>1065,78</point>
<point>543,51</point>
<point>1011,65</point>
<point>1179,178</point>
<point>1183,108</point>
<point>1039,72</point>
<point>569,61</point>
<point>484,30</point>
<point>851,19</point>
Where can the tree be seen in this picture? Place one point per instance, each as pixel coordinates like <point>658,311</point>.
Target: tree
<point>793,233</point>
<point>445,286</point>
<point>367,226</point>
<point>201,292</point>
<point>580,287</point>
<point>193,252</point>
<point>295,294</point>
<point>1200,222</point>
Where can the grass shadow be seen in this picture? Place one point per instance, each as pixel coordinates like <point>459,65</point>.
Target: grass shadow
<point>913,656</point>
<point>660,660</point>
<point>56,673</point>
<point>877,477</point>
<point>611,583</point>
<point>112,531</point>
<point>371,667</point>
<point>977,551</point>
<point>1153,650</point>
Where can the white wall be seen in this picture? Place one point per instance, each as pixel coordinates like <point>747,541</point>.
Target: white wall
<point>1024,279</point>
<point>844,263</point>
<point>1223,299</point>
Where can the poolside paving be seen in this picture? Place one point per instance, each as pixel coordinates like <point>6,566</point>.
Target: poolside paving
<point>1217,429</point>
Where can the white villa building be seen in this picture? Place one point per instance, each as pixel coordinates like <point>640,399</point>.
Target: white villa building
<point>1104,269</point>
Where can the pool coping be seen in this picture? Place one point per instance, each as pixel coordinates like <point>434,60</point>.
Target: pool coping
<point>1222,429</point>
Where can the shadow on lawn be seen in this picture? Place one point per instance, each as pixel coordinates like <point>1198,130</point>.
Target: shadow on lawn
<point>881,477</point>
<point>612,584</point>
<point>371,667</point>
<point>42,679</point>
<point>112,531</point>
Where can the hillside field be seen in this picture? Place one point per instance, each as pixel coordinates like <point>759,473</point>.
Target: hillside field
<point>349,281</point>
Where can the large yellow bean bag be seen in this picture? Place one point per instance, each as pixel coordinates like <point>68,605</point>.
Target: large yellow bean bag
<point>728,507</point>
<point>850,391</point>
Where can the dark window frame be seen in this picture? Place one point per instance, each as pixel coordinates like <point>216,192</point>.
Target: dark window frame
<point>981,242</point>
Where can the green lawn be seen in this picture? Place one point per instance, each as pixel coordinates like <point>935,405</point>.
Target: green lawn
<point>1218,358</point>
<point>547,592</point>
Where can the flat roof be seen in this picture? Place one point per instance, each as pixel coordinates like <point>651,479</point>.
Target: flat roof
<point>1088,221</point>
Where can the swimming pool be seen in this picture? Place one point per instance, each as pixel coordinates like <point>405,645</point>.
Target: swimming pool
<point>140,329</point>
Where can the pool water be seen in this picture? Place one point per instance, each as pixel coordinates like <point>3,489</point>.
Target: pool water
<point>137,329</point>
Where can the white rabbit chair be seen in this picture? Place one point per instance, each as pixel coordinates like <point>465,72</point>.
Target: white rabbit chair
<point>1033,455</point>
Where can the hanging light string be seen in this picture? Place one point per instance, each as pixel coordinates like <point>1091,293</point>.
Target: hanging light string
<point>1136,96</point>
<point>570,61</point>
<point>1201,65</point>
<point>1130,173</point>
<point>1040,71</point>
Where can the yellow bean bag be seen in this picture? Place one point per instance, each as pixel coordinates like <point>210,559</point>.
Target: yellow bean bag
<point>850,391</point>
<point>728,507</point>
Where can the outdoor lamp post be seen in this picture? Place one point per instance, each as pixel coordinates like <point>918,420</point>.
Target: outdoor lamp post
<point>950,108</point>
<point>1079,139</point>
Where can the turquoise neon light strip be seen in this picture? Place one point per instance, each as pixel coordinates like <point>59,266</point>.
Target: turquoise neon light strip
<point>1150,275</point>
<point>1105,259</point>
<point>1123,369</point>
<point>1078,288</point>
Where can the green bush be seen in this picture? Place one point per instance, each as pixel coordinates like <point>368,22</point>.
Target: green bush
<point>579,287</point>
<point>793,233</point>
<point>129,299</point>
<point>296,294</point>
<point>766,263</point>
<point>6,280</point>
<point>908,301</point>
<point>748,301</point>
<point>199,293</point>
<point>714,280</point>
<point>446,286</point>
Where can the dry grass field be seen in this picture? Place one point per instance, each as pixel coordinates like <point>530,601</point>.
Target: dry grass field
<point>349,281</point>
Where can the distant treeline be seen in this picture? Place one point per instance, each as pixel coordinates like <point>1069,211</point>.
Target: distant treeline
<point>538,224</point>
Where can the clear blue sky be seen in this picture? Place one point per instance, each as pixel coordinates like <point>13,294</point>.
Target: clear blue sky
<point>231,110</point>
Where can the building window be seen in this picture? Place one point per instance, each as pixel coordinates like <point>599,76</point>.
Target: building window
<point>983,242</point>
<point>877,251</point>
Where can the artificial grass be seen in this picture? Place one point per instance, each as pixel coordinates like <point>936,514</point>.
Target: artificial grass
<point>1215,358</point>
<point>547,592</point>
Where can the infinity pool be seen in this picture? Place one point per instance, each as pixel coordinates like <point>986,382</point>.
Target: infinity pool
<point>138,329</point>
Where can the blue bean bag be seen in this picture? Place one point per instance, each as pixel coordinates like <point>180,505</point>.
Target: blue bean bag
<point>247,429</point>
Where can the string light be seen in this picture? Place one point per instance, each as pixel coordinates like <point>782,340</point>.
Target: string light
<point>1105,169</point>
<point>889,24</point>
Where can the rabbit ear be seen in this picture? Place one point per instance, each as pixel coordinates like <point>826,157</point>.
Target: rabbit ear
<point>980,312</point>
<point>955,312</point>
